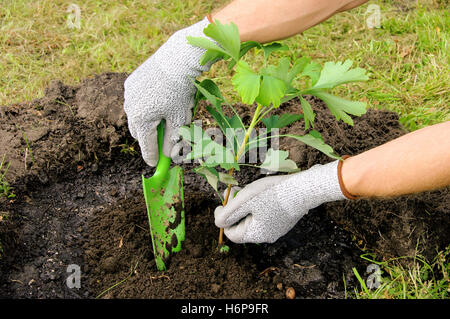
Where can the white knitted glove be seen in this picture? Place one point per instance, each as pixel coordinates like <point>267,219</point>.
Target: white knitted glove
<point>268,208</point>
<point>161,88</point>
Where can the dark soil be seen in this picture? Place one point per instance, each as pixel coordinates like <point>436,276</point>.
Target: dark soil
<point>79,201</point>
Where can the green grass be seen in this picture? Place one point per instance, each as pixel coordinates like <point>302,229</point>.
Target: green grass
<point>5,189</point>
<point>408,277</point>
<point>38,46</point>
<point>407,57</point>
<point>131,273</point>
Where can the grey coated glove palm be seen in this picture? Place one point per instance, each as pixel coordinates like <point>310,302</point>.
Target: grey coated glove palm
<point>161,88</point>
<point>268,208</point>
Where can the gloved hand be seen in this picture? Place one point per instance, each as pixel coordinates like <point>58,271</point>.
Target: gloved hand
<point>161,88</point>
<point>268,208</point>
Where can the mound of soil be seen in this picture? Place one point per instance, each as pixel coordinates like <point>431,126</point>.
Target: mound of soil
<point>79,202</point>
<point>68,125</point>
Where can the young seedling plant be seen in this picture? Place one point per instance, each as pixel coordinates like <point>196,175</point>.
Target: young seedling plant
<point>269,86</point>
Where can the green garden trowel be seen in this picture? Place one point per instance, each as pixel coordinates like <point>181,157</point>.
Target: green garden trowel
<point>163,194</point>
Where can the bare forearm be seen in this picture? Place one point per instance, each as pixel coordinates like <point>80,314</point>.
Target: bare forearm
<point>416,162</point>
<point>269,20</point>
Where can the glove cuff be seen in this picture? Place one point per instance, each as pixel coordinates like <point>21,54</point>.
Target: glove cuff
<point>193,54</point>
<point>310,188</point>
<point>177,56</point>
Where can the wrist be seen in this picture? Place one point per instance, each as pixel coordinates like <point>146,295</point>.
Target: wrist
<point>311,188</point>
<point>192,54</point>
<point>179,60</point>
<point>349,182</point>
<point>354,175</point>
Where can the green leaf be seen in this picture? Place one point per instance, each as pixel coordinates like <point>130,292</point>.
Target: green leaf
<point>210,174</point>
<point>340,107</point>
<point>312,70</point>
<point>211,56</point>
<point>284,71</point>
<point>314,139</point>
<point>224,249</point>
<point>271,91</point>
<point>227,36</point>
<point>227,179</point>
<point>290,94</point>
<point>220,118</point>
<point>287,119</point>
<point>208,90</point>
<point>198,140</point>
<point>213,177</point>
<point>203,147</point>
<point>277,161</point>
<point>246,82</point>
<point>299,66</point>
<point>212,88</point>
<point>229,165</point>
<point>270,123</point>
<point>334,74</point>
<point>245,47</point>
<point>278,122</point>
<point>216,154</point>
<point>281,71</point>
<point>307,112</point>
<point>316,134</point>
<point>229,126</point>
<point>273,47</point>
<point>208,45</point>
<point>235,122</point>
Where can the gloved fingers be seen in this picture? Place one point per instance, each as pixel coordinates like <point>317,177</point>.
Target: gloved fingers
<point>245,196</point>
<point>132,129</point>
<point>228,215</point>
<point>236,233</point>
<point>170,139</point>
<point>172,134</point>
<point>148,142</point>
<point>249,230</point>
<point>188,117</point>
<point>173,125</point>
<point>223,216</point>
<point>131,121</point>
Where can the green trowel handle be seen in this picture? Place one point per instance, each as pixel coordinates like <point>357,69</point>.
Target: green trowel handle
<point>162,168</point>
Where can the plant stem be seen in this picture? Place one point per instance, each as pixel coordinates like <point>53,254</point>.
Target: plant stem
<point>240,151</point>
<point>265,113</point>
